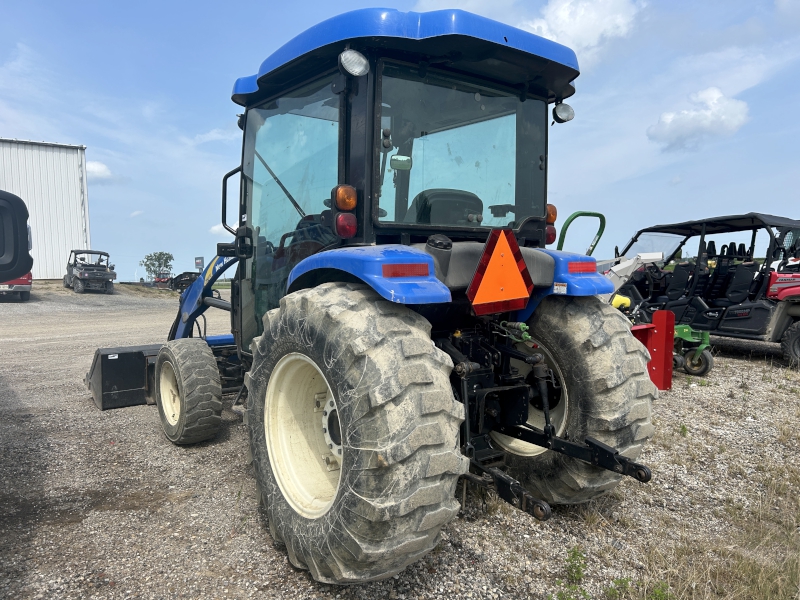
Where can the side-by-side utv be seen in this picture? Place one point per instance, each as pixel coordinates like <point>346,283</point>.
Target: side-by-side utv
<point>728,289</point>
<point>399,319</point>
<point>89,270</point>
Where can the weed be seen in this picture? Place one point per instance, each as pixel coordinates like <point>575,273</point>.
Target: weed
<point>704,382</point>
<point>570,592</point>
<point>660,591</point>
<point>618,589</point>
<point>576,565</point>
<point>683,430</point>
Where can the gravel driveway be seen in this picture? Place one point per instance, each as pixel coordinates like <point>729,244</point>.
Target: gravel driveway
<point>100,505</point>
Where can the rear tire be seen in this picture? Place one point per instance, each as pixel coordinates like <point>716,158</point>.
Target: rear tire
<point>77,286</point>
<point>790,343</point>
<point>24,296</point>
<point>188,391</point>
<point>697,366</point>
<point>390,491</point>
<point>65,282</point>
<point>603,371</point>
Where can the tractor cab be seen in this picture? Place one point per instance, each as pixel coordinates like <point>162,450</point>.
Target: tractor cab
<point>384,128</point>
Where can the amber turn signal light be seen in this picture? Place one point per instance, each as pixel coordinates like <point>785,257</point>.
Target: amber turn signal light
<point>552,214</point>
<point>345,197</point>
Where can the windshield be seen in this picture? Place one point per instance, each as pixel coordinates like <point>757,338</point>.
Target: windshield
<point>91,258</point>
<point>666,243</point>
<point>458,154</point>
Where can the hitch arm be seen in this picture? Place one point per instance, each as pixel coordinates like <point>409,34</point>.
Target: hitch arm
<point>593,451</point>
<point>510,490</point>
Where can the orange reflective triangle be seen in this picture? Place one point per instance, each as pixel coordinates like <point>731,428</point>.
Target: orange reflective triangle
<point>502,280</point>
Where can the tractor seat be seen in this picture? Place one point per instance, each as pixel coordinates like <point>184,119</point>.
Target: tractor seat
<point>444,207</point>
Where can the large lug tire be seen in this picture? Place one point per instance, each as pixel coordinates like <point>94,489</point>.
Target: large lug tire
<point>188,391</point>
<point>700,365</point>
<point>354,433</point>
<point>109,287</point>
<point>24,296</point>
<point>605,394</point>
<point>65,282</point>
<point>77,285</point>
<point>790,344</point>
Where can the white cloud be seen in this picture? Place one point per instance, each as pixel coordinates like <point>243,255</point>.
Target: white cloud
<point>216,135</point>
<point>219,231</point>
<point>97,170</point>
<point>714,116</point>
<point>136,213</point>
<point>788,7</point>
<point>585,25</point>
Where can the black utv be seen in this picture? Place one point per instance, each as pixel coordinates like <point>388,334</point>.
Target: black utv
<point>89,270</point>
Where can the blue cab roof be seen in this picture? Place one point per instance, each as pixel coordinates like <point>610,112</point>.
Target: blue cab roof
<point>554,66</point>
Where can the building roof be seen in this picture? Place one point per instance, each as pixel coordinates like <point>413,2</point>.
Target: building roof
<point>466,41</point>
<point>55,144</point>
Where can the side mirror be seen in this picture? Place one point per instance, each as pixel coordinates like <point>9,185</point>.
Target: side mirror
<point>399,162</point>
<point>15,258</point>
<point>111,267</point>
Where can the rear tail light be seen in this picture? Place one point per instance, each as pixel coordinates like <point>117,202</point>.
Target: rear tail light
<point>552,214</point>
<point>584,266</point>
<point>345,197</point>
<point>346,225</point>
<point>549,235</point>
<point>406,270</point>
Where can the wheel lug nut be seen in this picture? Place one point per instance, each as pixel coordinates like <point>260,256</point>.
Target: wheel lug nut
<point>324,413</point>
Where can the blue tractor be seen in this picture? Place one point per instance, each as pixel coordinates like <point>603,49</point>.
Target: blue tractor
<point>398,322</point>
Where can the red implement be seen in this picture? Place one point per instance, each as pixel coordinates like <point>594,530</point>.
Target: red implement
<point>659,338</point>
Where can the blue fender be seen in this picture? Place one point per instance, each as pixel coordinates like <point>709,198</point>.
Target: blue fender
<point>367,264</point>
<point>566,283</point>
<point>192,305</point>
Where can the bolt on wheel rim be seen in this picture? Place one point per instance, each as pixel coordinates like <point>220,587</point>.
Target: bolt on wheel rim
<point>170,394</point>
<point>303,435</point>
<point>558,415</point>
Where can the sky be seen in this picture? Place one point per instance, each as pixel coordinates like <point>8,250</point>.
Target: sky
<point>684,109</point>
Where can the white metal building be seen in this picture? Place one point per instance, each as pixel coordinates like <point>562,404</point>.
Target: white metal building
<point>51,179</point>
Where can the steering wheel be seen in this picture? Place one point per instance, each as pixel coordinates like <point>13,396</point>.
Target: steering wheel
<point>652,273</point>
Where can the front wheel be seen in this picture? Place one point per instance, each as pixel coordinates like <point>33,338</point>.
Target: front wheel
<point>790,344</point>
<point>697,365</point>
<point>600,389</point>
<point>109,287</point>
<point>77,285</point>
<point>188,391</point>
<point>354,433</point>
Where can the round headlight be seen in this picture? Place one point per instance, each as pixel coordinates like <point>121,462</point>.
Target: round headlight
<point>354,63</point>
<point>563,113</point>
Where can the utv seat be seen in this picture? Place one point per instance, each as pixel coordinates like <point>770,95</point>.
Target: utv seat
<point>720,278</point>
<point>677,282</point>
<point>740,285</point>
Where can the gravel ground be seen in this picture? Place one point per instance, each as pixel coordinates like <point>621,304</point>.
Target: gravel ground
<point>100,505</point>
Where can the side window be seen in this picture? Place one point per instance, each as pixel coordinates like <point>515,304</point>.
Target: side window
<point>290,166</point>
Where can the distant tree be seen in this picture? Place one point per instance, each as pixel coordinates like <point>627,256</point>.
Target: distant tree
<point>157,262</point>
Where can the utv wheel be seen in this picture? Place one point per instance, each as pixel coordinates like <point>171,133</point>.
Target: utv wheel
<point>697,366</point>
<point>188,391</point>
<point>790,344</point>
<point>354,433</point>
<point>605,393</point>
<point>109,287</point>
<point>65,282</point>
<point>677,362</point>
<point>24,296</point>
<point>77,286</point>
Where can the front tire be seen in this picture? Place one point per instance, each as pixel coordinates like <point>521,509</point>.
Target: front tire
<point>77,285</point>
<point>700,365</point>
<point>605,393</point>
<point>360,496</point>
<point>790,344</point>
<point>109,287</point>
<point>188,391</point>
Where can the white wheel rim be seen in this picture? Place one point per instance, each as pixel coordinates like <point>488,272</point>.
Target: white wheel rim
<point>170,394</point>
<point>305,457</point>
<point>558,415</point>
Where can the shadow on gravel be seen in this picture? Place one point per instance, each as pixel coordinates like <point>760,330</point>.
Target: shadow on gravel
<point>22,465</point>
<point>749,350</point>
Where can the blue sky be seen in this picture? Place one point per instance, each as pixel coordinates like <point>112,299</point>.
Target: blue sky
<point>684,109</point>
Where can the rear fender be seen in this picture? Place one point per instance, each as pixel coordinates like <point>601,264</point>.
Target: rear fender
<point>567,283</point>
<point>378,267</point>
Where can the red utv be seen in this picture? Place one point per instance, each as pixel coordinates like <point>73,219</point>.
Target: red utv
<point>727,289</point>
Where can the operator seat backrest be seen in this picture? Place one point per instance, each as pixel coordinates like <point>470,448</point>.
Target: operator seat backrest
<point>739,287</point>
<point>742,251</point>
<point>719,280</point>
<point>443,207</point>
<point>676,285</point>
